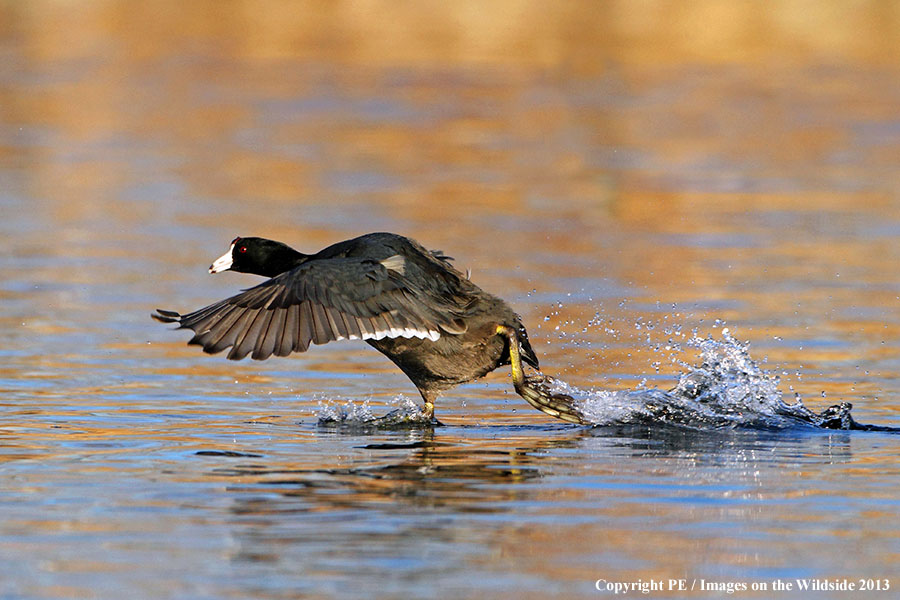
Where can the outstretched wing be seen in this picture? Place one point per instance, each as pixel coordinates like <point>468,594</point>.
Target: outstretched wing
<point>318,302</point>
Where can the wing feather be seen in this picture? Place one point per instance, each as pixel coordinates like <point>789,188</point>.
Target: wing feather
<point>270,336</point>
<point>246,338</point>
<point>318,302</point>
<point>289,333</point>
<point>306,326</point>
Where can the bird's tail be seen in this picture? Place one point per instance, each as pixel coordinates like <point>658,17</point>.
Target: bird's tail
<point>166,316</point>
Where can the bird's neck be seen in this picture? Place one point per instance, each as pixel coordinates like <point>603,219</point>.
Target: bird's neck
<point>283,258</point>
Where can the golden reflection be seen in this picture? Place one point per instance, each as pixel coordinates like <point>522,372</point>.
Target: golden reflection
<point>700,161</point>
<point>463,475</point>
<point>509,32</point>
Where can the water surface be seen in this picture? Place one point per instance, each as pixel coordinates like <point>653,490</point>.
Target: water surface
<point>622,177</point>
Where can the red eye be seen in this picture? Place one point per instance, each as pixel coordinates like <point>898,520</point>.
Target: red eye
<point>242,249</point>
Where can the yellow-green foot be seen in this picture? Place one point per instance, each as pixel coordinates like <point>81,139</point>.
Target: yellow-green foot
<point>534,388</point>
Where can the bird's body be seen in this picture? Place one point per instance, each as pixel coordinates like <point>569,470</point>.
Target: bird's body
<point>408,303</point>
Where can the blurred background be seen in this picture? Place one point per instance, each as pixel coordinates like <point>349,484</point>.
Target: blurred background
<point>622,172</point>
<point>738,163</point>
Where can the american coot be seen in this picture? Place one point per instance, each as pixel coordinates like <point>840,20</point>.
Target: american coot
<point>410,304</point>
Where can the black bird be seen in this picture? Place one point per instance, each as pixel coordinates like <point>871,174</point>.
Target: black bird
<point>408,303</point>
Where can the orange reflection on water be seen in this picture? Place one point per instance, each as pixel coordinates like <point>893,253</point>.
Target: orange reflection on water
<point>604,167</point>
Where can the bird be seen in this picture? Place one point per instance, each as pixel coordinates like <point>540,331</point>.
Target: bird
<point>407,302</point>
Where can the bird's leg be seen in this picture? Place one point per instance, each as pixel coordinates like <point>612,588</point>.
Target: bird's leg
<point>534,389</point>
<point>429,398</point>
<point>515,360</point>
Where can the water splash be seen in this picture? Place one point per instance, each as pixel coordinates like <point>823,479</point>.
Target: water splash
<point>727,390</point>
<point>348,414</point>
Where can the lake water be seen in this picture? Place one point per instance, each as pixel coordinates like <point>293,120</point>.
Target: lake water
<point>628,178</point>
